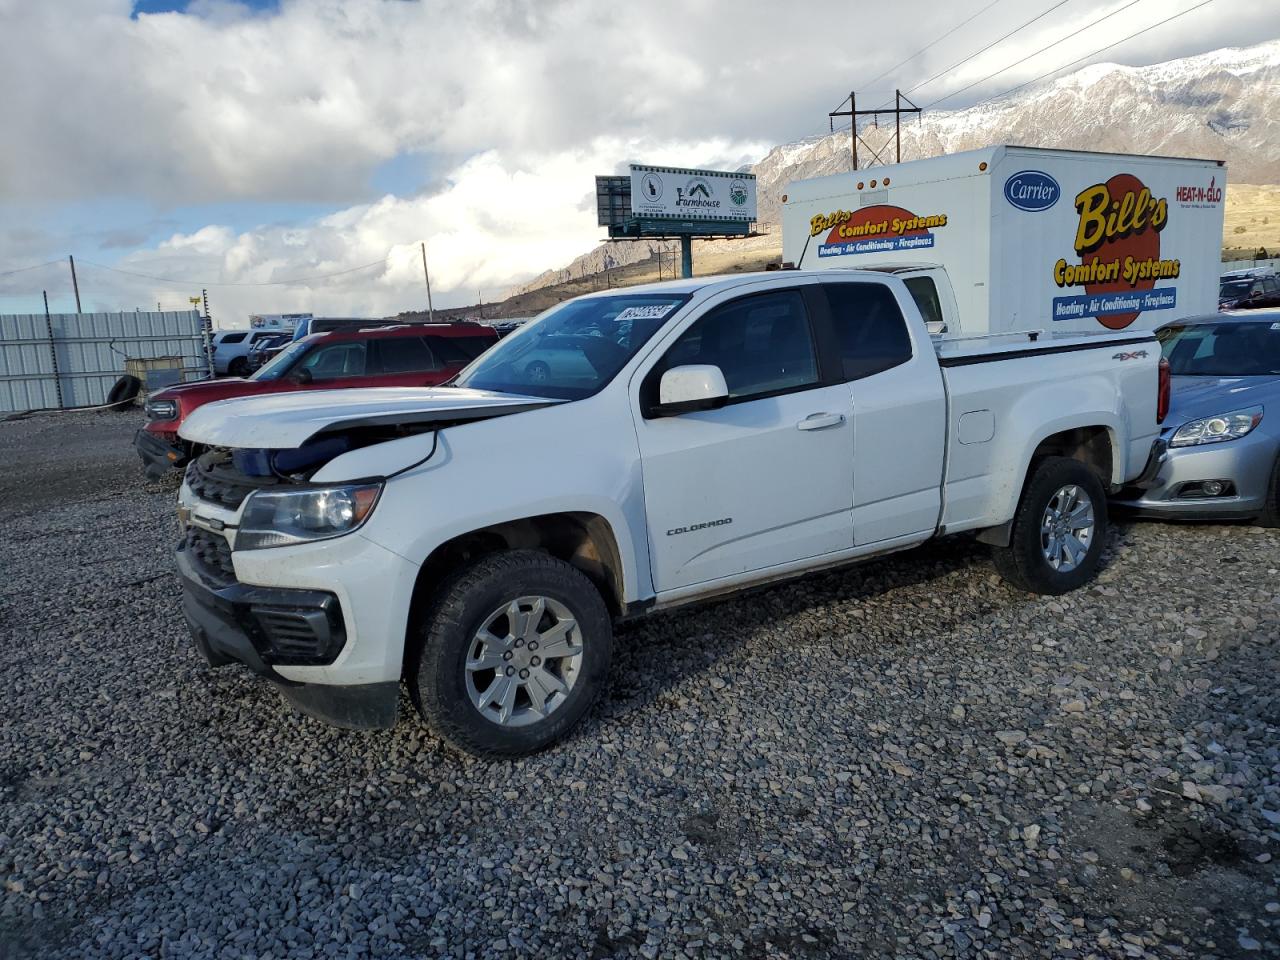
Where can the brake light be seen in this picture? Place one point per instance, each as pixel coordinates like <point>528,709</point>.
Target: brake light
<point>1162,396</point>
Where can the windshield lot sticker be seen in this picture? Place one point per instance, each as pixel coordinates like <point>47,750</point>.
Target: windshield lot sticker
<point>1118,243</point>
<point>656,311</point>
<point>880,228</point>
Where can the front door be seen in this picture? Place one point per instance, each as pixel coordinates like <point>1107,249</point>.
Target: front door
<point>766,479</point>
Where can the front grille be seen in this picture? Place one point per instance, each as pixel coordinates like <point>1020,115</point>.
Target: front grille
<point>213,478</point>
<point>211,554</point>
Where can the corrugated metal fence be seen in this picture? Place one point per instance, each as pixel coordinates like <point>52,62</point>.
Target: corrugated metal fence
<point>1273,265</point>
<point>73,359</point>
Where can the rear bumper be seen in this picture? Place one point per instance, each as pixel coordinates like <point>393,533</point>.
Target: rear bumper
<point>265,627</point>
<point>159,456</point>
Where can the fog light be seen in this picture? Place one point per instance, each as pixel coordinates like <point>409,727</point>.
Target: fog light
<point>1212,487</point>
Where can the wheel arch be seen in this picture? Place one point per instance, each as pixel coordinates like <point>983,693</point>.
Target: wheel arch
<point>1096,445</point>
<point>582,539</point>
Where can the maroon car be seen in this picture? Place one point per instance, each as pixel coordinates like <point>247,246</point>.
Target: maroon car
<point>409,355</point>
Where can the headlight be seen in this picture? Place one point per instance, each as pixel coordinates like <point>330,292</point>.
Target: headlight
<point>1226,426</point>
<point>279,518</point>
<point>161,409</point>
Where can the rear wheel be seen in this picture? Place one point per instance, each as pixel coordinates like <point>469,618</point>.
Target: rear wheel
<point>1058,531</point>
<point>239,367</point>
<point>511,655</point>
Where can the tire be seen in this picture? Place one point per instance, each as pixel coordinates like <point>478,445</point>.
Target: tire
<point>446,691</point>
<point>1024,563</point>
<point>124,391</point>
<point>239,367</point>
<point>1271,512</point>
<point>538,372</point>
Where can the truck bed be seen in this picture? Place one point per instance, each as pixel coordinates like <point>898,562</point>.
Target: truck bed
<point>961,351</point>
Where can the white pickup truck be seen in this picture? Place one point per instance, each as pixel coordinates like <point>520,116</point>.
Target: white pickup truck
<point>626,452</point>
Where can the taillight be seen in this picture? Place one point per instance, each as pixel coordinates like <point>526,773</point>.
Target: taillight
<point>1162,396</point>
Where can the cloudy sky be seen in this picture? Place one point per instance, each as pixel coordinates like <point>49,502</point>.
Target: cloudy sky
<point>242,144</point>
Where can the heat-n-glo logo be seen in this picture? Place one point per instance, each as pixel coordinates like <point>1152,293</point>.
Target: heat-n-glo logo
<point>1032,190</point>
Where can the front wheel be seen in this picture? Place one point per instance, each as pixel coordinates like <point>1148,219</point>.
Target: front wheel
<point>511,655</point>
<point>1058,531</point>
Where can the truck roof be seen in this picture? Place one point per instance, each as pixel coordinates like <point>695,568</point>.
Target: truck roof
<point>731,280</point>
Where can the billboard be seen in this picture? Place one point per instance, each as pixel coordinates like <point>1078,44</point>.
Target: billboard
<point>674,193</point>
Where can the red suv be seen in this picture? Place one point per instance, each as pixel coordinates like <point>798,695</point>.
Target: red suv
<point>410,355</point>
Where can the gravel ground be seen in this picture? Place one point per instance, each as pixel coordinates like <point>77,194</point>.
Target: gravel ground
<point>903,759</point>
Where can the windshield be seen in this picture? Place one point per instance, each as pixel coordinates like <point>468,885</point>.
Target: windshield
<point>1222,349</point>
<point>1232,289</point>
<point>279,365</point>
<point>574,349</point>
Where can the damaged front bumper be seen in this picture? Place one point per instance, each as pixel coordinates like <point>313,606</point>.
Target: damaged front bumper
<point>266,627</point>
<point>159,456</point>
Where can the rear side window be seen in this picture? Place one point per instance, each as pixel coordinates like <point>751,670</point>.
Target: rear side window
<point>925,293</point>
<point>761,343</point>
<point>870,329</point>
<point>405,355</point>
<point>456,351</point>
<point>335,360</point>
<point>232,337</point>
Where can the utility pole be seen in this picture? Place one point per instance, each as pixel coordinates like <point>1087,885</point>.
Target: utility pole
<point>481,296</point>
<point>75,283</point>
<point>431,311</point>
<point>853,113</point>
<point>53,350</point>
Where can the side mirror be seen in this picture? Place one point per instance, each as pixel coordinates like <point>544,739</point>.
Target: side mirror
<point>695,386</point>
<point>302,376</point>
<point>936,328</point>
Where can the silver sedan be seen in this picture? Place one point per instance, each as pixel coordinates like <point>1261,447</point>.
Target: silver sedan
<point>1220,451</point>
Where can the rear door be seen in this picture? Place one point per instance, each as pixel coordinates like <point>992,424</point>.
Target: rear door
<point>764,480</point>
<point>899,412</point>
<point>405,362</point>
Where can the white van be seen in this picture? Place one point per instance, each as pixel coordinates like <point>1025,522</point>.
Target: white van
<point>1018,238</point>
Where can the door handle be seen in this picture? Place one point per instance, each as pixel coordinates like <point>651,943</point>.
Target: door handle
<point>820,421</point>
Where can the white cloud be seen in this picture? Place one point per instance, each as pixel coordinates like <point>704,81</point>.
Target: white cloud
<point>495,222</point>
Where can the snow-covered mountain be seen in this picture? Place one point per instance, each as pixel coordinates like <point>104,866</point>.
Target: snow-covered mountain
<point>1223,105</point>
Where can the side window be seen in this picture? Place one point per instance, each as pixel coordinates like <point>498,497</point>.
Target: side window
<point>336,360</point>
<point>233,338</point>
<point>761,343</point>
<point>870,329</point>
<point>458,351</point>
<point>925,293</point>
<point>404,355</point>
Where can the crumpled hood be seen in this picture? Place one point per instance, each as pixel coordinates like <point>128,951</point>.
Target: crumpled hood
<point>1195,397</point>
<point>288,420</point>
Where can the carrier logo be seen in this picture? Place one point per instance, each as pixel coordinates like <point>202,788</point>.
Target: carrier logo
<point>1032,190</point>
<point>879,228</point>
<point>676,531</point>
<point>1209,196</point>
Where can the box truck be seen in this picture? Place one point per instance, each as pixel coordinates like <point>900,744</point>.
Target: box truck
<point>1009,238</point>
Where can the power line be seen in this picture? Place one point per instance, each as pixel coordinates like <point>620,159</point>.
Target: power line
<point>1055,43</point>
<point>931,45</point>
<point>1202,3</point>
<point>228,283</point>
<point>37,266</point>
<point>993,43</point>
